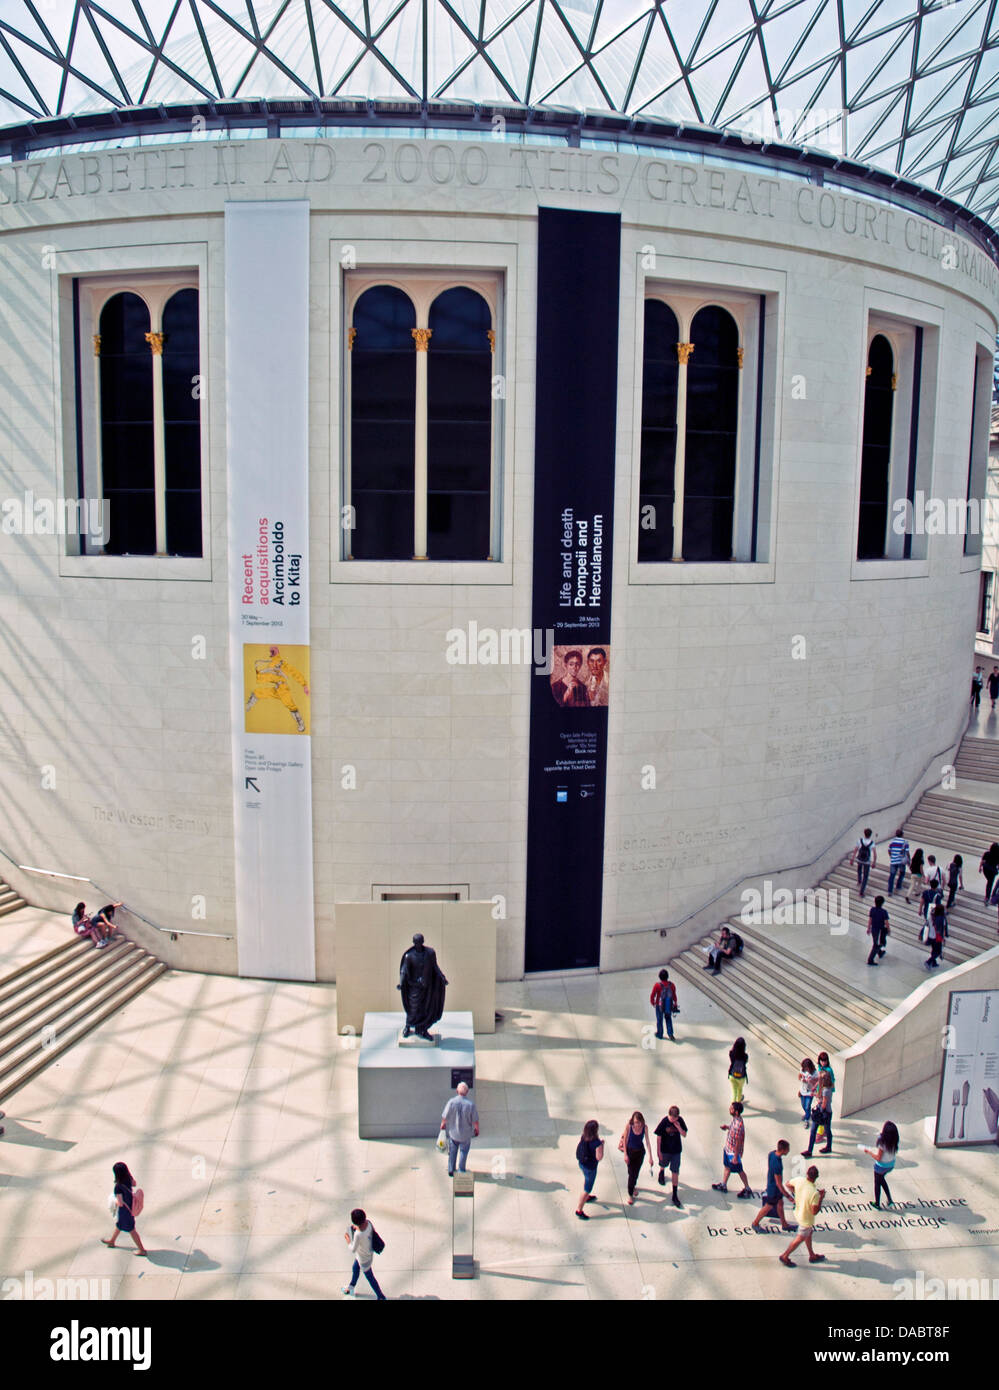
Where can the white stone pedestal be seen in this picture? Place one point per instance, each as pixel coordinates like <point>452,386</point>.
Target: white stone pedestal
<point>401,1091</point>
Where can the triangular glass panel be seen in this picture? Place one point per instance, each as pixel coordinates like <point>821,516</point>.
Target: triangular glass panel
<point>289,41</point>
<point>684,23</point>
<point>896,69</point>
<point>709,82</point>
<point>822,41</point>
<point>401,41</point>
<point>448,49</point>
<point>781,33</point>
<point>372,79</point>
<point>749,83</point>
<point>20,99</point>
<point>88,59</point>
<point>581,90</point>
<point>873,129</point>
<point>672,105</point>
<point>863,58</point>
<point>616,65</point>
<point>510,50</point>
<point>578,15</point>
<point>477,82</point>
<point>726,31</point>
<point>340,64</point>
<point>938,91</point>
<point>557,56</point>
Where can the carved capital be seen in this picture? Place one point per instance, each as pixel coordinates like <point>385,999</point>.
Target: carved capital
<point>740,354</point>
<point>683,351</point>
<point>97,345</point>
<point>868,372</point>
<point>894,380</point>
<point>491,335</point>
<point>156,341</point>
<point>421,337</point>
<point>351,335</point>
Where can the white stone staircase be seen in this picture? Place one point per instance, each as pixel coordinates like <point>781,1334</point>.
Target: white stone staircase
<point>798,1009</point>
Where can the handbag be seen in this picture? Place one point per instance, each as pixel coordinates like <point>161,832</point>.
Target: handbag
<point>377,1244</point>
<point>113,1204</point>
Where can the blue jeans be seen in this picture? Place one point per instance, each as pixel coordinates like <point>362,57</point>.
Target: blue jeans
<point>661,1016</point>
<point>369,1274</point>
<point>459,1151</point>
<point>806,1105</point>
<point>863,870</point>
<point>895,869</point>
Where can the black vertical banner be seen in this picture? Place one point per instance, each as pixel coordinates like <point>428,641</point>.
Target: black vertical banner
<point>575,433</point>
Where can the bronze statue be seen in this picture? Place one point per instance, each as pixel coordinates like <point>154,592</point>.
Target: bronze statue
<point>422,984</point>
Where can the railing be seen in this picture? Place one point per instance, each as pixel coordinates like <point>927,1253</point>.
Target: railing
<point>792,868</point>
<point>109,897</point>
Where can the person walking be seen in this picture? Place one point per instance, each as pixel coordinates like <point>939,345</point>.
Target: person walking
<point>936,928</point>
<point>865,855</point>
<point>460,1123</point>
<point>738,1067</point>
<point>994,685</point>
<point>773,1197</point>
<point>933,884</point>
<point>821,1117</point>
<point>955,879</point>
<point>663,1000</point>
<point>362,1239</point>
<point>635,1144</point>
<point>989,866</point>
<point>884,1153</point>
<point>916,876</point>
<point>826,1066</point>
<point>735,1142</point>
<point>589,1152</point>
<point>807,1205</point>
<point>898,860</point>
<point>807,1080</point>
<point>877,929</point>
<point>977,681</point>
<point>128,1206</point>
<point>670,1134</point>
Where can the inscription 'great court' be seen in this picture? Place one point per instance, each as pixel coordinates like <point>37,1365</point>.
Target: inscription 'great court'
<point>588,174</point>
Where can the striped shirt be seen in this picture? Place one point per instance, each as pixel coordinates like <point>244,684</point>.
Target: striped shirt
<point>898,851</point>
<point>736,1137</point>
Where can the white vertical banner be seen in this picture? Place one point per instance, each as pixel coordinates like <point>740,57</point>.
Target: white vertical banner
<point>267,390</point>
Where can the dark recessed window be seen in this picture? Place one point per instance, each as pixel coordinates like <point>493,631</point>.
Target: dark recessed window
<point>875,462</point>
<point>660,369</point>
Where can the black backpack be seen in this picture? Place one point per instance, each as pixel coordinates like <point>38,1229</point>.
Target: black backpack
<point>864,851</point>
<point>377,1244</point>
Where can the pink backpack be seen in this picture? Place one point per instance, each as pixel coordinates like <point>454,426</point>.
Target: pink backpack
<point>138,1201</point>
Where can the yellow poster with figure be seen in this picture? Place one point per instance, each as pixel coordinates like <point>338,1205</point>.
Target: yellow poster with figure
<point>276,687</point>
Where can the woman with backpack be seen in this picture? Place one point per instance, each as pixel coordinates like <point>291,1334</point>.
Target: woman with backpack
<point>128,1205</point>
<point>933,879</point>
<point>365,1243</point>
<point>738,1067</point>
<point>589,1152</point>
<point>955,879</point>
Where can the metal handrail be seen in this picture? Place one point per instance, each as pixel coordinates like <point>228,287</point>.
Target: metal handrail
<point>790,868</point>
<point>104,893</point>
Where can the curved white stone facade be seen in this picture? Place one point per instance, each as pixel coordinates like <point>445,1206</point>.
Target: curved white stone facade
<point>775,700</point>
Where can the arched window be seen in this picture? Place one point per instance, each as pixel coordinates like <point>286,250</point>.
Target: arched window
<point>659,403</point>
<point>126,426</point>
<point>182,423</point>
<point>382,425</point>
<point>875,463</point>
<point>711,436</point>
<point>459,426</point>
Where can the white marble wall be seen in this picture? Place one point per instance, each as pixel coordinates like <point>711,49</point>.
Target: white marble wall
<point>760,759</point>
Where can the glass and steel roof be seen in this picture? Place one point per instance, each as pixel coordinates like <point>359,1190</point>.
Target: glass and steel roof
<point>908,87</point>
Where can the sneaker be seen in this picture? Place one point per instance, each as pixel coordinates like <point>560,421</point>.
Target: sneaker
<point>815,1259</point>
<point>582,1216</point>
<point>347,1290</point>
<point>718,1187</point>
<point>785,1261</point>
<point>746,1192</point>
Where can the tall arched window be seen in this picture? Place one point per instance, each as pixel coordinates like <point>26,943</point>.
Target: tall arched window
<point>459,426</point>
<point>182,423</point>
<point>659,402</point>
<point>711,436</point>
<point>126,425</point>
<point>382,425</point>
<point>875,463</point>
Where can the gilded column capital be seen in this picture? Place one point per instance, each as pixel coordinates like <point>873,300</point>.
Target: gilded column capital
<point>491,335</point>
<point>683,351</point>
<point>97,345</point>
<point>868,372</point>
<point>155,341</point>
<point>422,337</point>
<point>351,335</point>
<point>894,381</point>
<point>740,354</point>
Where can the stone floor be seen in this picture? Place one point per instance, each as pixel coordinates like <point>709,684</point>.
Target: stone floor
<point>234,1103</point>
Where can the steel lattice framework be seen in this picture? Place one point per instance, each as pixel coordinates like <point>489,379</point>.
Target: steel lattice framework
<point>909,87</point>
